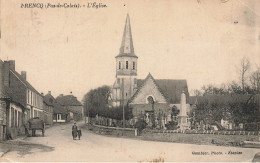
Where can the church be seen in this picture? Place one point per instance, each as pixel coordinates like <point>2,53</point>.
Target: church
<point>148,97</point>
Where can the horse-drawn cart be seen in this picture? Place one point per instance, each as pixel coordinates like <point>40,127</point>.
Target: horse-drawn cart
<point>36,124</point>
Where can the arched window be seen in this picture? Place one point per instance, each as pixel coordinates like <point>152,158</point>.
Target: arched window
<point>150,100</point>
<point>133,65</point>
<point>119,65</point>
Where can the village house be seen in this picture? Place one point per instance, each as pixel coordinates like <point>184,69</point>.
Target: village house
<point>72,105</point>
<point>48,106</point>
<point>60,114</point>
<point>24,101</point>
<point>3,99</point>
<point>148,97</point>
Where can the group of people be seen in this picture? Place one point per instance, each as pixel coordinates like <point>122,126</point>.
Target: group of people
<point>76,132</point>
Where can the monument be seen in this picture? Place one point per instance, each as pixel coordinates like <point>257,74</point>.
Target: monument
<point>183,117</point>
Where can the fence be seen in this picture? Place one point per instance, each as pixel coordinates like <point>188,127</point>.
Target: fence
<point>213,132</point>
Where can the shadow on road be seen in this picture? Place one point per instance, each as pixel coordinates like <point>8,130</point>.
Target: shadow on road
<point>23,148</point>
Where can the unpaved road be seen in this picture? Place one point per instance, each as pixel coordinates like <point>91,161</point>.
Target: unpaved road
<point>94,147</point>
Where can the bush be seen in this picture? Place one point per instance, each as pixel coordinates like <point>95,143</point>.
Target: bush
<point>140,125</point>
<point>171,125</point>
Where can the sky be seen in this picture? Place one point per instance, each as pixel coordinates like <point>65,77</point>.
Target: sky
<point>73,50</point>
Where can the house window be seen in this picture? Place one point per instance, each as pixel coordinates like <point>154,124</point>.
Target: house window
<point>28,99</point>
<point>119,65</point>
<point>35,113</point>
<point>15,118</point>
<point>133,65</point>
<point>31,98</point>
<point>19,119</point>
<point>126,64</point>
<point>12,117</point>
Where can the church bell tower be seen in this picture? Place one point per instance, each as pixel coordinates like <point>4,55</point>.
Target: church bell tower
<point>126,68</point>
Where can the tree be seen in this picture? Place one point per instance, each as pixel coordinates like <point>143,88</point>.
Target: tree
<point>235,88</point>
<point>213,90</point>
<point>255,80</point>
<point>197,92</point>
<point>96,100</point>
<point>244,67</point>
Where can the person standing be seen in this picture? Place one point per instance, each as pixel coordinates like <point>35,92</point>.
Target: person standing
<point>74,131</point>
<point>79,133</point>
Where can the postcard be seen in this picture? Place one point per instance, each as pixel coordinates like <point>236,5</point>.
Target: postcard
<point>129,81</point>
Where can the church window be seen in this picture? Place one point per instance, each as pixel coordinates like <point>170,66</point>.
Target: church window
<point>150,100</point>
<point>119,65</point>
<point>135,81</point>
<point>118,81</point>
<point>126,64</point>
<point>133,65</point>
<point>125,94</point>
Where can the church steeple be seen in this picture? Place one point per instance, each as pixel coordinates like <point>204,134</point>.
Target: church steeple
<point>127,46</point>
<point>126,68</point>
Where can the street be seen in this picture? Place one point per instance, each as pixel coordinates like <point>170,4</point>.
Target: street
<point>58,145</point>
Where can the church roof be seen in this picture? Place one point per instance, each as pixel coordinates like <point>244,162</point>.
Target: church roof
<point>169,88</point>
<point>127,46</point>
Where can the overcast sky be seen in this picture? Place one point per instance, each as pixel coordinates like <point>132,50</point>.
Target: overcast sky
<point>66,50</point>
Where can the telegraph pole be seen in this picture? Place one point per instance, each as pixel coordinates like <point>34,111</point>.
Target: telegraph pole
<point>123,93</point>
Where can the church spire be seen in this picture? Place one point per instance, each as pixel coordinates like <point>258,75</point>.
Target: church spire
<point>127,47</point>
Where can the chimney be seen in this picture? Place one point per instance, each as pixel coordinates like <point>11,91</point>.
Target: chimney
<point>23,73</point>
<point>49,92</point>
<point>42,94</point>
<point>12,64</point>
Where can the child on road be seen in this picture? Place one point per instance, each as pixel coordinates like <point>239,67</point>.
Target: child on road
<point>79,133</point>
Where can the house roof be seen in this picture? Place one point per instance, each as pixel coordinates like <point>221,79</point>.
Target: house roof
<point>58,109</point>
<point>3,94</point>
<point>169,88</point>
<point>28,85</point>
<point>13,97</point>
<point>49,99</point>
<point>68,100</point>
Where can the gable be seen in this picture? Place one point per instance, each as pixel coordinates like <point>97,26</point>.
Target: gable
<point>171,89</point>
<point>149,88</point>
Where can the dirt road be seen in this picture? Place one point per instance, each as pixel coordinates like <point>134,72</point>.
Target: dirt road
<point>61,147</point>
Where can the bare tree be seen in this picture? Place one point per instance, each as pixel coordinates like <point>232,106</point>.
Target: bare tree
<point>255,80</point>
<point>244,67</point>
<point>197,92</point>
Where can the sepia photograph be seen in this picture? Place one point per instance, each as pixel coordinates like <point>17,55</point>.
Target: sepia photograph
<point>129,81</point>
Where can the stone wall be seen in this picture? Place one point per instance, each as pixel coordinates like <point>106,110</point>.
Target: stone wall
<point>209,138</point>
<point>115,131</point>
